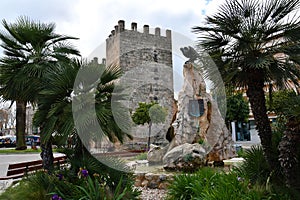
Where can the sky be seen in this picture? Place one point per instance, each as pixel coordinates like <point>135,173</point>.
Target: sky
<point>92,20</point>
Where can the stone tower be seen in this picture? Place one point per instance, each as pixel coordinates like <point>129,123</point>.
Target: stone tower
<point>146,60</point>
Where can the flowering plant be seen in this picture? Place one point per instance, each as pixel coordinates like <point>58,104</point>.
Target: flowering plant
<point>56,197</point>
<point>83,173</point>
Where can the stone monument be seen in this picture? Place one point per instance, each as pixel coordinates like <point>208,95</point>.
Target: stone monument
<point>200,133</point>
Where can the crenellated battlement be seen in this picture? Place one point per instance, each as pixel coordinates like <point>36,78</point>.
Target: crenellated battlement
<point>130,48</point>
<point>121,28</point>
<point>145,57</point>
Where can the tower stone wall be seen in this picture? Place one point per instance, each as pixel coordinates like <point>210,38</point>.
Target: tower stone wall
<point>130,48</point>
<point>146,60</point>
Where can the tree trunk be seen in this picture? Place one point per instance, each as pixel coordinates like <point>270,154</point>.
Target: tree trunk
<point>288,155</point>
<point>47,153</point>
<point>150,124</point>
<point>257,101</point>
<point>47,156</point>
<point>20,125</point>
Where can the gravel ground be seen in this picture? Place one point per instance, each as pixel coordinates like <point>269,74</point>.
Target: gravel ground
<point>152,194</point>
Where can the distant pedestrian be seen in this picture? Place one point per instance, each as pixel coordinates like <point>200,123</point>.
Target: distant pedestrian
<point>32,143</point>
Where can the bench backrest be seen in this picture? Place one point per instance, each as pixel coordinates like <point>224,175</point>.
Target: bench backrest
<point>18,170</point>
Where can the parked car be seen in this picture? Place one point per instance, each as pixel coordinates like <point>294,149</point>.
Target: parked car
<point>32,140</point>
<point>1,141</point>
<point>8,141</point>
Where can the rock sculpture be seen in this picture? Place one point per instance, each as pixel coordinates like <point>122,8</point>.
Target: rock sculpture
<point>185,157</point>
<point>200,131</point>
<point>190,53</point>
<point>156,153</point>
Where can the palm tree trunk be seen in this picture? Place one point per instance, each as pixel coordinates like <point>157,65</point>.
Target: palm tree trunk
<point>257,101</point>
<point>20,125</point>
<point>47,156</point>
<point>288,155</point>
<point>47,153</point>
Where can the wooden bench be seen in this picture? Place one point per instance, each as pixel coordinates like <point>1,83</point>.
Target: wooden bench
<point>18,170</point>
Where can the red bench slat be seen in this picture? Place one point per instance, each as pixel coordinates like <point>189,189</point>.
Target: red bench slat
<point>18,170</point>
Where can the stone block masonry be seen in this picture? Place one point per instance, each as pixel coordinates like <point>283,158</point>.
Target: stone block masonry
<point>152,180</point>
<point>130,48</point>
<point>146,60</point>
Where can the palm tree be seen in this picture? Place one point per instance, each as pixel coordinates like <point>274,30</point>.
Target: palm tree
<point>56,109</point>
<point>255,43</point>
<point>32,50</point>
<point>289,151</point>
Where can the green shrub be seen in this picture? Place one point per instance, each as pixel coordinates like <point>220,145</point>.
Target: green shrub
<point>241,152</point>
<point>35,187</point>
<point>96,187</point>
<point>207,179</point>
<point>142,156</point>
<point>71,183</point>
<point>65,184</point>
<point>181,189</point>
<point>255,166</point>
<point>24,190</point>
<point>188,186</point>
<point>209,184</point>
<point>226,186</point>
<point>201,140</point>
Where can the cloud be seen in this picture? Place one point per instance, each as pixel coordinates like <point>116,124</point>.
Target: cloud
<point>97,18</point>
<point>54,10</point>
<point>92,20</point>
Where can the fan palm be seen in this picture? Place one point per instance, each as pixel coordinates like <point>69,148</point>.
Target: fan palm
<point>254,43</point>
<point>31,51</point>
<point>56,109</point>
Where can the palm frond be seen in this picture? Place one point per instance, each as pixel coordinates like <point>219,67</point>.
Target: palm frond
<point>249,35</point>
<point>29,55</point>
